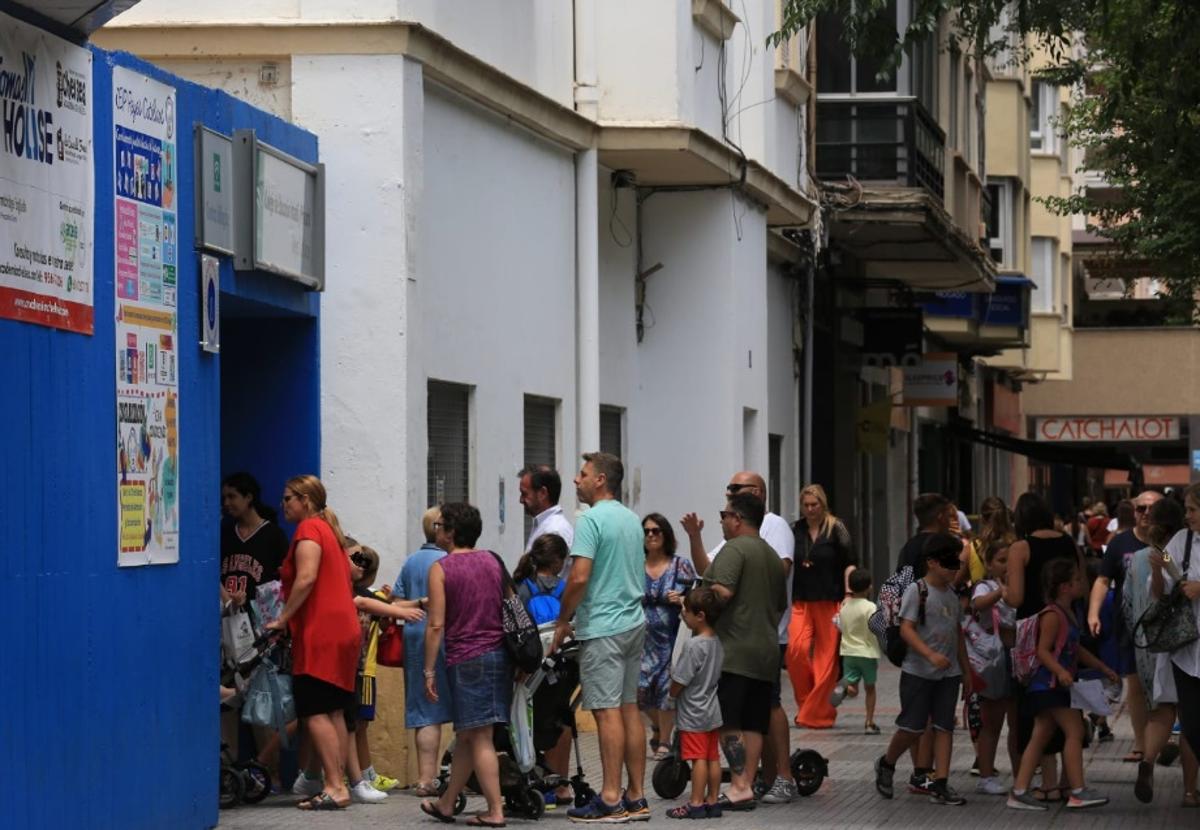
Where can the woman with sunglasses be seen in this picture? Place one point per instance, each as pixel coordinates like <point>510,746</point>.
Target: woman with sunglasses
<point>668,578</point>
<point>319,612</point>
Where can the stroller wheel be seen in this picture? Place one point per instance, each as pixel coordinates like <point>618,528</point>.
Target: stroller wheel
<point>460,803</point>
<point>232,787</point>
<point>670,777</point>
<point>809,769</point>
<point>535,804</point>
<point>257,780</point>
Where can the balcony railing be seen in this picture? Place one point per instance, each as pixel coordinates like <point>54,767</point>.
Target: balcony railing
<point>881,140</point>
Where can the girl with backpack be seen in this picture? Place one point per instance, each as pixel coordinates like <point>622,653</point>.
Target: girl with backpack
<point>668,578</point>
<point>1058,655</point>
<point>537,578</point>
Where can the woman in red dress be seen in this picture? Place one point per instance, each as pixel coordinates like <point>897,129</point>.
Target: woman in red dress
<point>319,612</point>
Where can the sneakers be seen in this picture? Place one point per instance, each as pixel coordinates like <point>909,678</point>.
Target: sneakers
<point>919,783</point>
<point>305,786</point>
<point>884,772</point>
<point>383,783</point>
<point>781,792</point>
<point>837,695</point>
<point>940,792</point>
<point>990,786</point>
<point>636,810</point>
<point>1025,801</point>
<point>1085,798</point>
<point>871,729</point>
<point>974,770</point>
<point>364,793</point>
<point>597,812</point>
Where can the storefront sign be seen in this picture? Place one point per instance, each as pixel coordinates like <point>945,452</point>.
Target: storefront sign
<point>891,336</point>
<point>1108,429</point>
<point>46,179</point>
<point>1005,406</point>
<point>952,304</point>
<point>1008,305</point>
<point>214,191</point>
<point>934,382</point>
<point>147,325</point>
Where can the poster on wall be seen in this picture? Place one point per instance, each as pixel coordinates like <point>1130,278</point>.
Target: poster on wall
<point>46,179</point>
<point>147,323</point>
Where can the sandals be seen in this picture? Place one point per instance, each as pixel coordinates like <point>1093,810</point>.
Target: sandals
<point>661,752</point>
<point>426,789</point>
<point>430,809</point>
<point>321,802</point>
<point>1190,800</point>
<point>688,811</point>
<point>743,806</point>
<point>1134,757</point>
<point>480,821</point>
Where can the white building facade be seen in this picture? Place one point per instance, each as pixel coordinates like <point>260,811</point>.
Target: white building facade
<point>552,227</point>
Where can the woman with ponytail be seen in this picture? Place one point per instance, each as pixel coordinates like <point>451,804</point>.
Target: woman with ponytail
<point>319,612</point>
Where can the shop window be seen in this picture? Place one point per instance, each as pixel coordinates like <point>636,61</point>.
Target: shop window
<point>448,466</point>
<point>541,436</point>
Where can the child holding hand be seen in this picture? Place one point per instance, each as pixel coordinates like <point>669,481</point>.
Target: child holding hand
<point>694,678</point>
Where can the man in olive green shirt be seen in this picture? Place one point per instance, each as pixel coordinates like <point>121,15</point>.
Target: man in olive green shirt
<point>749,577</point>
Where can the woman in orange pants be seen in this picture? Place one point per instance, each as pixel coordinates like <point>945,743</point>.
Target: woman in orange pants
<point>824,559</point>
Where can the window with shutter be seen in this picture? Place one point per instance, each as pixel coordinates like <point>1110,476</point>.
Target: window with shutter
<point>775,472</point>
<point>541,441</point>
<point>612,441</point>
<point>448,463</point>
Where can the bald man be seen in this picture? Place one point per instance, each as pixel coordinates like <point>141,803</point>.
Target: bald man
<point>775,531</point>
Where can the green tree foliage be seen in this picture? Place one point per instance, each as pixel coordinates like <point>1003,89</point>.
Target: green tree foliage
<point>1135,112</point>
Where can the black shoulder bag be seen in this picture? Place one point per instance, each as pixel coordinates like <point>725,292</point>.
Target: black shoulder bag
<point>521,638</point>
<point>1168,624</point>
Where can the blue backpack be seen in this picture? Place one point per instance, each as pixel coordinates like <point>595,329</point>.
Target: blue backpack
<point>544,606</point>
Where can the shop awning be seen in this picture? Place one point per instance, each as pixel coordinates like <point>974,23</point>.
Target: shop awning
<point>1051,453</point>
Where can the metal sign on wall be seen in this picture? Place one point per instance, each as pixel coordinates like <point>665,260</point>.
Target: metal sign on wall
<point>1107,428</point>
<point>934,382</point>
<point>215,209</point>
<point>280,218</point>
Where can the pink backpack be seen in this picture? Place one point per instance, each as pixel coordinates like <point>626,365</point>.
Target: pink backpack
<point>1024,653</point>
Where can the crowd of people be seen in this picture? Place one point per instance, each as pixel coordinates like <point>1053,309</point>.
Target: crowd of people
<point>1024,618</point>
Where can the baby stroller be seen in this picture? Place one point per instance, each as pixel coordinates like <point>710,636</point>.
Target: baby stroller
<point>553,698</point>
<point>246,781</point>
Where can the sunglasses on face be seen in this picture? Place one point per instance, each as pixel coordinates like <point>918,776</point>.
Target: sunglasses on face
<point>1141,508</point>
<point>737,488</point>
<point>359,559</point>
<point>653,531</point>
<point>728,514</point>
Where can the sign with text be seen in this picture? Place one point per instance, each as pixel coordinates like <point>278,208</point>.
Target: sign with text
<point>214,191</point>
<point>210,303</point>
<point>934,382</point>
<point>147,320</point>
<point>47,179</point>
<point>1106,428</point>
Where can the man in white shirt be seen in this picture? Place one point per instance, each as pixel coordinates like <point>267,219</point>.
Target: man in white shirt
<point>540,488</point>
<point>776,532</point>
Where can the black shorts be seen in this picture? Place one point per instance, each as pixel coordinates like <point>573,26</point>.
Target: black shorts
<point>923,700</point>
<point>745,703</point>
<point>317,697</point>
<point>1028,707</point>
<point>777,687</point>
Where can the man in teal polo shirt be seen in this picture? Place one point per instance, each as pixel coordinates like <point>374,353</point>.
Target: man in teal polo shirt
<point>604,594</point>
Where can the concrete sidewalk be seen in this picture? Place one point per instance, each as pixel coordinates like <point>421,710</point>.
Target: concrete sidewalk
<point>846,800</point>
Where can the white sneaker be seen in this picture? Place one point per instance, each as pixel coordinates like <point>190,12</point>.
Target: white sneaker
<point>364,793</point>
<point>990,786</point>
<point>306,786</point>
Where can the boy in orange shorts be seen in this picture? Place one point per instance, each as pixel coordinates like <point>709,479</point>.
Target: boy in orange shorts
<point>694,680</point>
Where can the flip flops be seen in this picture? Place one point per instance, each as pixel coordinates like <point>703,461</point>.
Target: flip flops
<point>480,821</point>
<point>430,809</point>
<point>743,806</point>
<point>321,802</point>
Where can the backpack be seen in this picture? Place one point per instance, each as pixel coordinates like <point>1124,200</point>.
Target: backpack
<point>885,622</point>
<point>1024,653</point>
<point>544,605</point>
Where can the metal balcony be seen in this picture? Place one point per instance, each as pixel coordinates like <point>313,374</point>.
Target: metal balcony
<point>889,141</point>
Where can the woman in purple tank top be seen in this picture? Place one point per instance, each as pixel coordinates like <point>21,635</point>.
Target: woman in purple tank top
<point>465,593</point>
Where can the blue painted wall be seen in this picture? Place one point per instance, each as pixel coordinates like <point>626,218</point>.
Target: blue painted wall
<point>109,684</point>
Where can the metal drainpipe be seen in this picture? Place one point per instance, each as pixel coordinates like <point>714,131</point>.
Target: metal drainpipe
<point>587,239</point>
<point>810,277</point>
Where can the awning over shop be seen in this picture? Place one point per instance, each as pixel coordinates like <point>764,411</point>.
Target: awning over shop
<point>1086,456</point>
<point>82,16</point>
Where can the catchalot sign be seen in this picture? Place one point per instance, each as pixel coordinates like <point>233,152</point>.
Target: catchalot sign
<point>1107,428</point>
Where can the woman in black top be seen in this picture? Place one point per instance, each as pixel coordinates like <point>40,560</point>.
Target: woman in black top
<point>1038,543</point>
<point>823,561</point>
<point>252,545</point>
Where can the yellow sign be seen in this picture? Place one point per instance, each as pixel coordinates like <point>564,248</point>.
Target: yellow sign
<point>133,516</point>
<point>873,423</point>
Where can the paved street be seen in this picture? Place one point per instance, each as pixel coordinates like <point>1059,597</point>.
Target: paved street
<point>846,800</point>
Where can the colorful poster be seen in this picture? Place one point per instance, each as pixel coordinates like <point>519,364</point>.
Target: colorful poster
<point>46,179</point>
<point>147,370</point>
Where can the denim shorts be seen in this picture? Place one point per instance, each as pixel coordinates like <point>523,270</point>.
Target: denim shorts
<point>481,689</point>
<point>609,669</point>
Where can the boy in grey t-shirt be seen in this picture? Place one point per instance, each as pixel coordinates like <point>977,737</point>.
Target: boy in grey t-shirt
<point>931,674</point>
<point>694,679</point>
